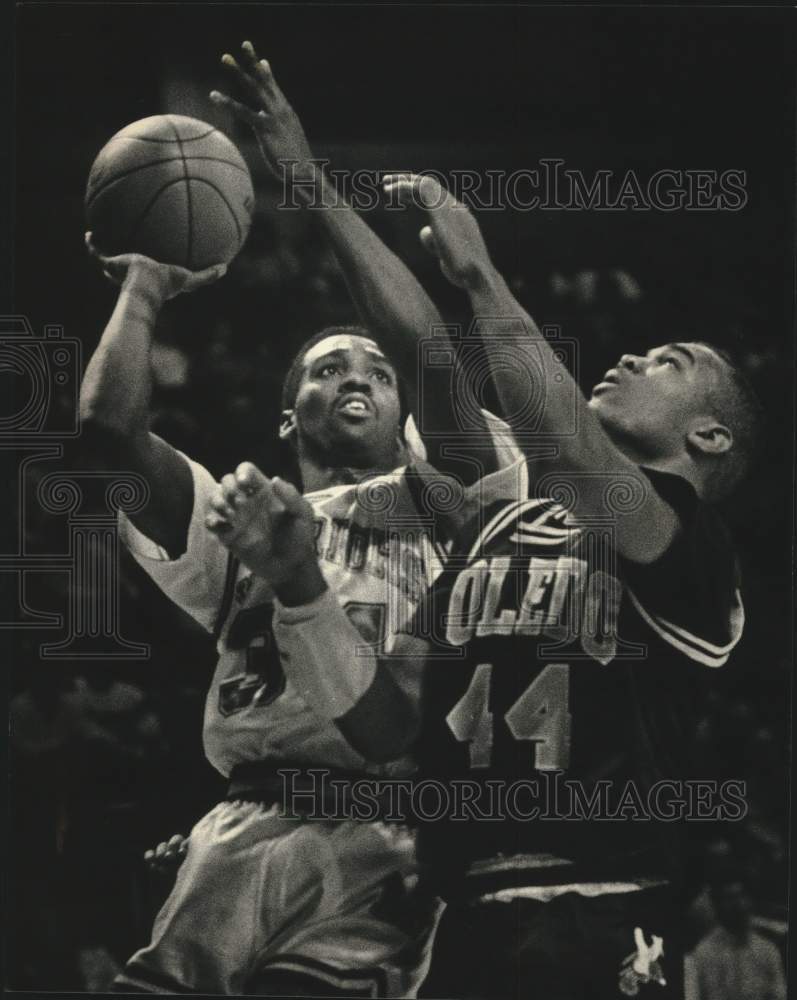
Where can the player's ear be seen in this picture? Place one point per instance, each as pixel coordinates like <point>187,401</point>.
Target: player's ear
<point>710,437</point>
<point>287,425</point>
<point>409,442</point>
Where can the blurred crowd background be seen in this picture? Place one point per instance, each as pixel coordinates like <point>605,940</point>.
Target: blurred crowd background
<point>106,757</point>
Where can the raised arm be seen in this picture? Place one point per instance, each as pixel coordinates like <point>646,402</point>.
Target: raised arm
<point>390,300</point>
<point>589,455</point>
<point>116,391</point>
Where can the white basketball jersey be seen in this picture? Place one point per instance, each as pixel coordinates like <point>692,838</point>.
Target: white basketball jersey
<point>378,553</point>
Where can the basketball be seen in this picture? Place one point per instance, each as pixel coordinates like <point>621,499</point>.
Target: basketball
<point>172,188</point>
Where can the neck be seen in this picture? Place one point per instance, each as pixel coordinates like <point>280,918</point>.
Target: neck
<point>740,935</point>
<point>680,465</point>
<point>318,472</point>
<point>319,477</point>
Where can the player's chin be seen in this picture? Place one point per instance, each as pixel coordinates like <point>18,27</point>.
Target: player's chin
<point>358,443</point>
<point>360,428</point>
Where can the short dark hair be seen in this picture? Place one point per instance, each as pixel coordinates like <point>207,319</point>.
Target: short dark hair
<point>293,378</point>
<point>733,400</point>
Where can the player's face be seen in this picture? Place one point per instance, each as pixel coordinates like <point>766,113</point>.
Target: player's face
<point>348,402</point>
<point>651,400</point>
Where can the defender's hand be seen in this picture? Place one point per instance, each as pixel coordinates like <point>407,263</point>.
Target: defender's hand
<point>168,855</point>
<point>267,111</point>
<point>453,235</point>
<point>269,525</point>
<point>162,281</point>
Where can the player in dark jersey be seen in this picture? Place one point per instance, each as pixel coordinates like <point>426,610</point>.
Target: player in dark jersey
<point>562,643</point>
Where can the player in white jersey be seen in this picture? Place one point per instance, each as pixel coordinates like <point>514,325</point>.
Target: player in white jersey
<point>263,902</point>
<point>294,899</point>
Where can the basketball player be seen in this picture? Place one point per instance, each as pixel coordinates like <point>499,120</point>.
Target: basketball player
<point>564,644</point>
<point>262,902</point>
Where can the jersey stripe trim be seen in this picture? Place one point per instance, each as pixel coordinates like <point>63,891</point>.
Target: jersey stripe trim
<point>227,594</point>
<point>530,539</point>
<point>545,893</point>
<point>500,521</point>
<point>696,648</point>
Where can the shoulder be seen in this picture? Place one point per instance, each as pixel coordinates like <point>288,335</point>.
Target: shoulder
<point>710,945</point>
<point>764,948</point>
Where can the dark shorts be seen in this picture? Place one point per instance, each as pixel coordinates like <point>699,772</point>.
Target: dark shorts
<point>573,947</point>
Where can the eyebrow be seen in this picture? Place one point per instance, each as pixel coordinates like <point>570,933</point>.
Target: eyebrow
<point>681,349</point>
<point>342,352</point>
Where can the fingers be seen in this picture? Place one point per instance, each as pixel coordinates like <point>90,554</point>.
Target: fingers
<point>248,85</point>
<point>429,242</point>
<point>167,853</point>
<point>105,262</point>
<point>420,190</point>
<point>230,491</point>
<point>250,479</point>
<point>177,844</point>
<point>246,481</point>
<point>216,524</point>
<point>287,494</point>
<point>219,510</point>
<point>198,279</point>
<point>93,251</point>
<point>240,111</point>
<point>259,68</point>
<point>234,488</point>
<point>400,186</point>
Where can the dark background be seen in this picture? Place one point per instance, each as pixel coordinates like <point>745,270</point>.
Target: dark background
<point>441,88</point>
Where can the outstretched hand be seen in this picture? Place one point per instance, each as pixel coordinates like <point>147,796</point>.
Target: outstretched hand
<point>452,236</point>
<point>164,281</point>
<point>270,527</point>
<point>267,111</point>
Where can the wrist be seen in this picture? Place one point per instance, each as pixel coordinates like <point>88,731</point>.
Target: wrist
<point>303,179</point>
<point>484,282</point>
<point>145,285</point>
<point>305,585</point>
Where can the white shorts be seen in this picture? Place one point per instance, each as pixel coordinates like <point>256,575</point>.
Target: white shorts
<point>258,894</point>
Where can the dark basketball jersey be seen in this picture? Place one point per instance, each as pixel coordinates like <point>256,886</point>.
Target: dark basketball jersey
<point>559,706</point>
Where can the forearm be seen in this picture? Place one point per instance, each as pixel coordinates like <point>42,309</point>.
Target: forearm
<point>329,664</point>
<point>390,299</point>
<point>117,386</point>
<point>589,455</point>
<point>506,327</point>
<point>396,308</point>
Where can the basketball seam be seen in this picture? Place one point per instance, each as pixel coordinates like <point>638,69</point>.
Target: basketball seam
<point>152,138</point>
<point>176,180</point>
<point>156,163</point>
<point>188,200</point>
<point>150,203</point>
<point>221,194</point>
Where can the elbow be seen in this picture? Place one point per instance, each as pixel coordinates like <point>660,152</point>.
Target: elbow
<point>103,436</point>
<point>383,743</point>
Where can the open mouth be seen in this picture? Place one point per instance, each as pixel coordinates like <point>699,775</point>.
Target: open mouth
<point>354,406</point>
<point>609,380</point>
